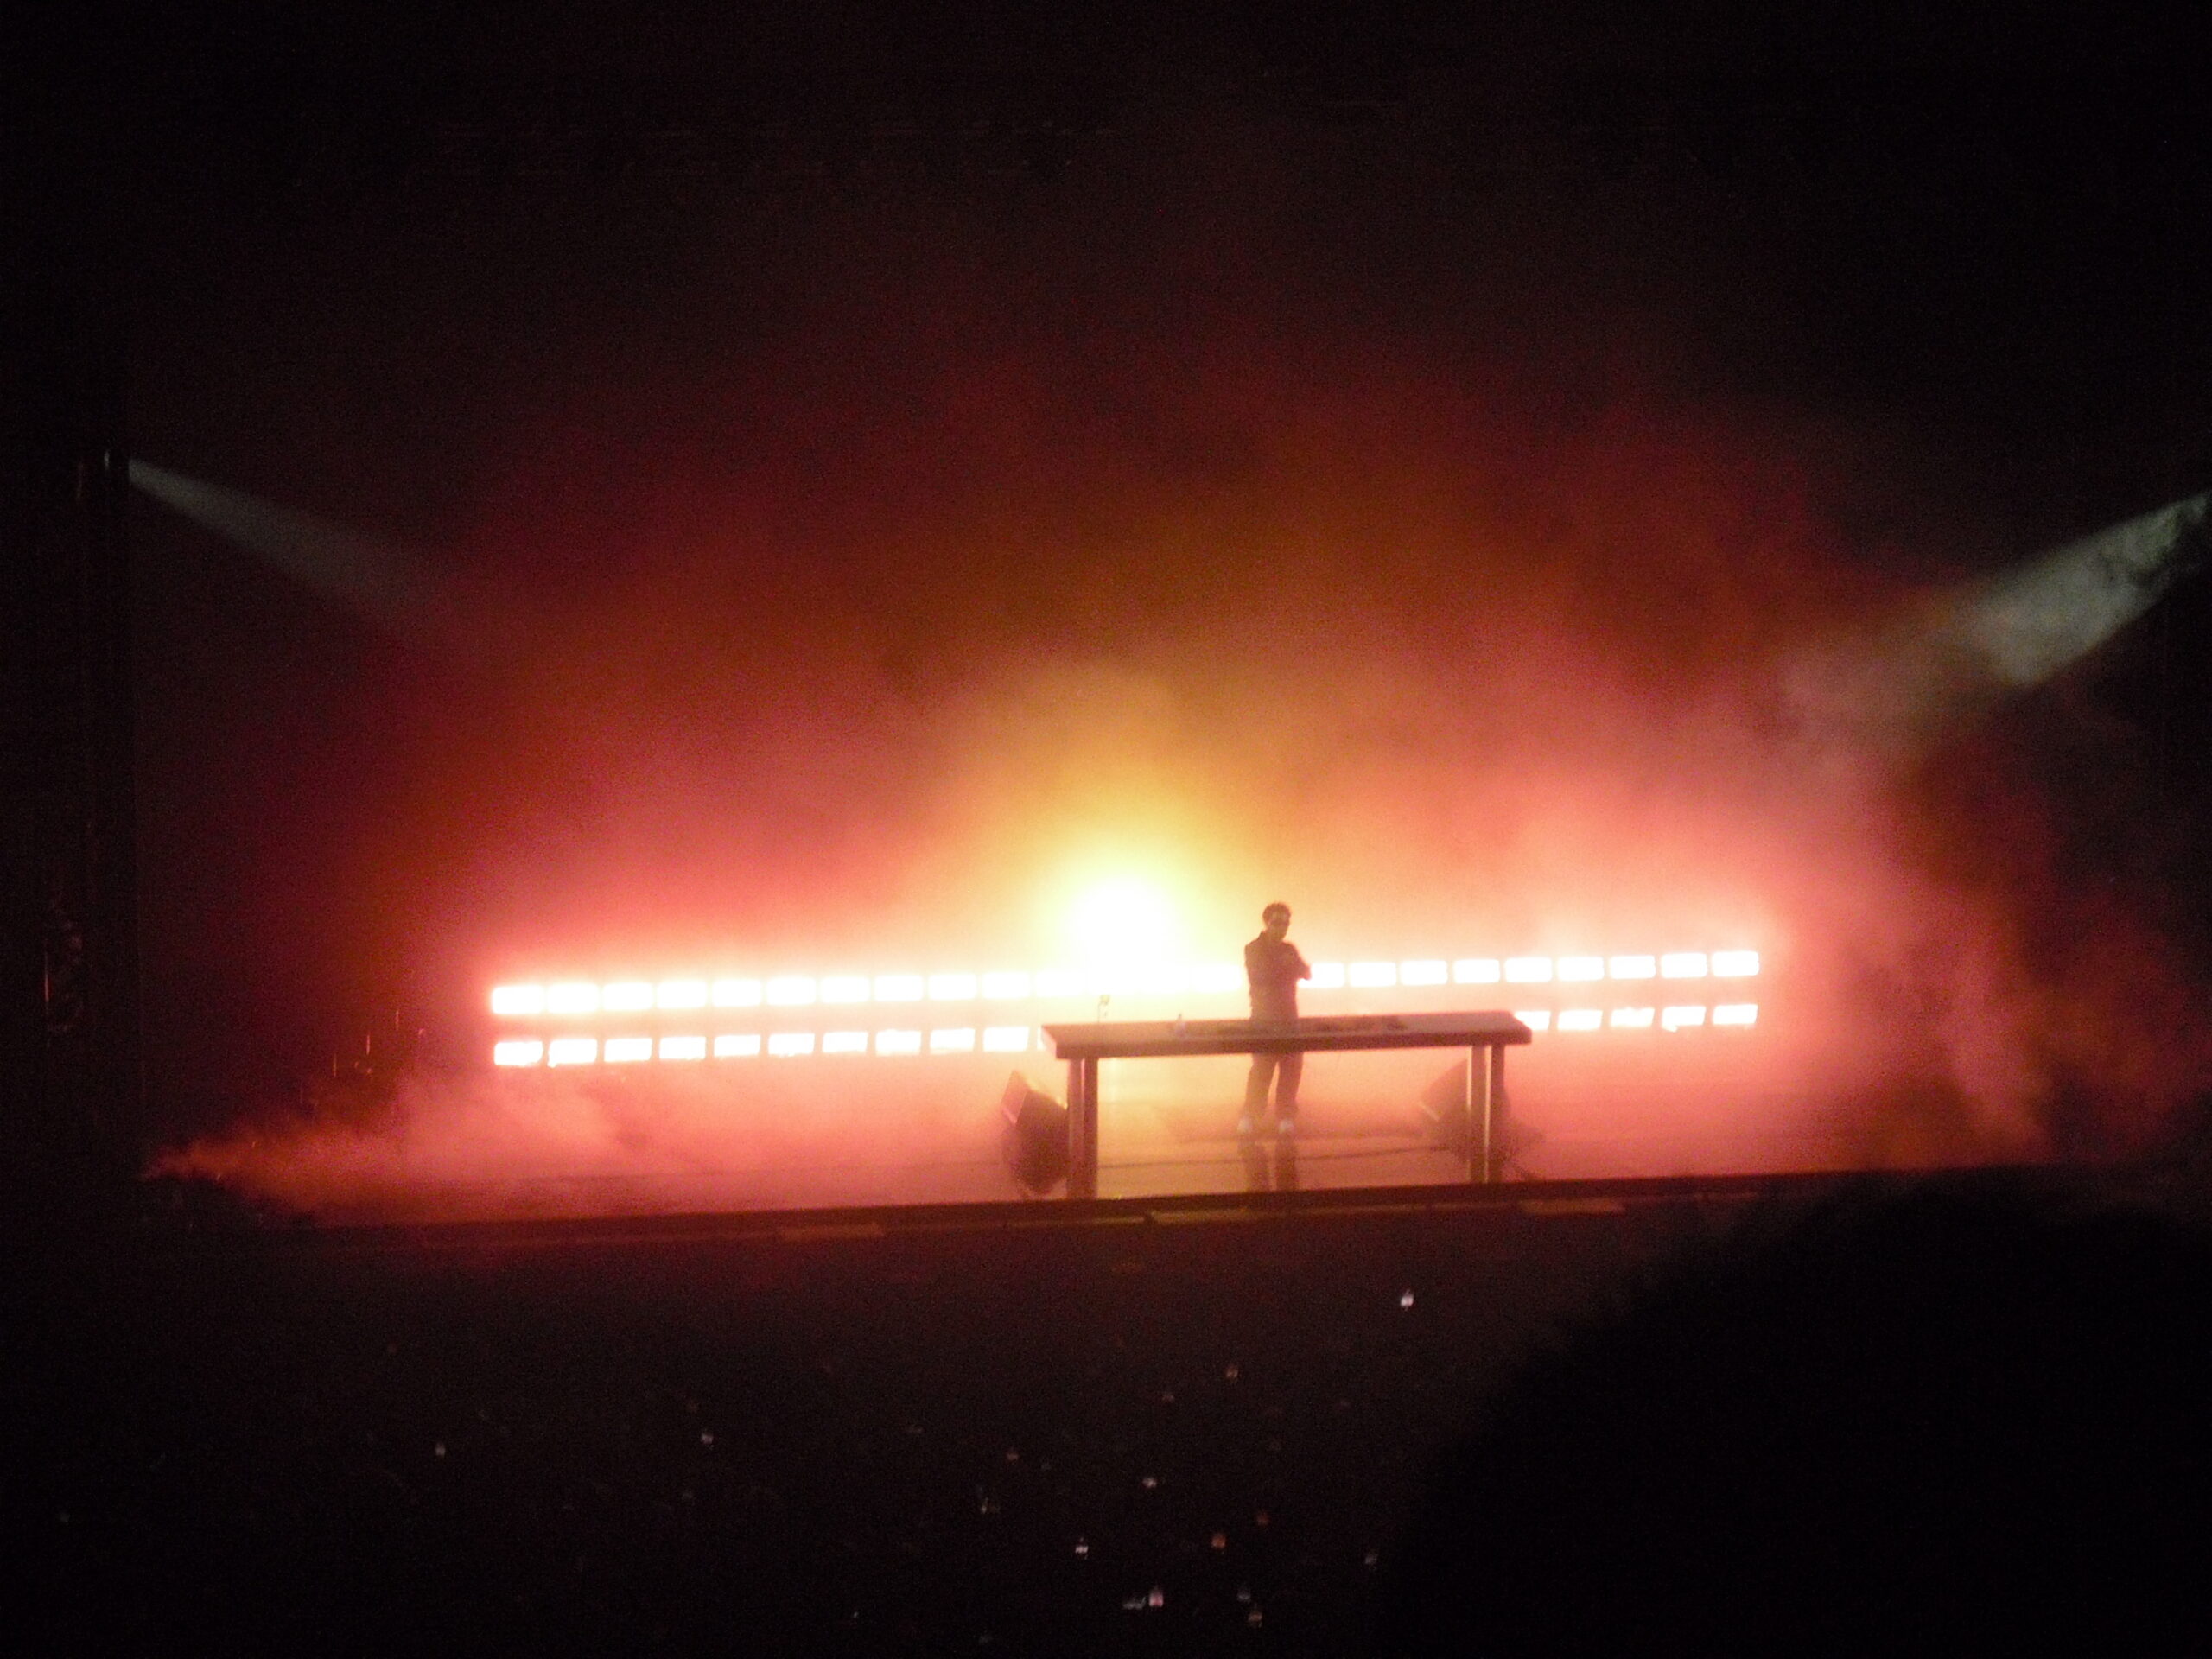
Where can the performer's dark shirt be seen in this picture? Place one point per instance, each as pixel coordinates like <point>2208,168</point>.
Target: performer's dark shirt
<point>1272,968</point>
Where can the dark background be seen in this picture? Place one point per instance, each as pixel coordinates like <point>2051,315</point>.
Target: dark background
<point>506,285</point>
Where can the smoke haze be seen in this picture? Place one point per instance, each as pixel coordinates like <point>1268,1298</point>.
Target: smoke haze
<point>919,565</point>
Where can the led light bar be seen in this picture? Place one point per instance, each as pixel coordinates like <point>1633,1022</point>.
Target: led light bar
<point>558,1002</point>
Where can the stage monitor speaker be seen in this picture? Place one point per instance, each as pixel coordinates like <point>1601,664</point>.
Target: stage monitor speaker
<point>1444,1119</point>
<point>1035,1138</point>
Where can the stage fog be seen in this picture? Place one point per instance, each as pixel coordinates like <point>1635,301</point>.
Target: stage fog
<point>924,575</point>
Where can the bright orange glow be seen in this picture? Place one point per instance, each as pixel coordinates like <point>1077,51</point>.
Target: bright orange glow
<point>786,1044</point>
<point>737,994</point>
<point>1475,970</point>
<point>1006,986</point>
<point>1581,968</point>
<point>1421,973</point>
<point>844,988</point>
<point>844,1042</point>
<point>626,996</point>
<point>1735,964</point>
<point>572,996</point>
<point>1735,1013</point>
<point>958,1039</point>
<point>1528,970</point>
<point>1682,964</point>
<point>628,1051</point>
<point>1124,922</point>
<point>737,1046</point>
<point>1005,1040</point>
<point>682,994</point>
<point>572,1051</point>
<point>1679,1018</point>
<point>899,987</point>
<point>1634,967</point>
<point>791,991</point>
<point>1327,976</point>
<point>684,1048</point>
<point>1372,975</point>
<point>1579,1019</point>
<point>898,1042</point>
<point>518,999</point>
<point>518,1050</point>
<point>952,987</point>
<point>1630,1019</point>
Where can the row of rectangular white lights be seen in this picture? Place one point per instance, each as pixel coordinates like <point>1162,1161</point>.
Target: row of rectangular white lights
<point>747,1044</point>
<point>803,990</point>
<point>1002,1040</point>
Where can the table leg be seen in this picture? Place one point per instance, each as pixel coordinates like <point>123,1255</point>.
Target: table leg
<point>1494,1091</point>
<point>1083,1129</point>
<point>1478,1116</point>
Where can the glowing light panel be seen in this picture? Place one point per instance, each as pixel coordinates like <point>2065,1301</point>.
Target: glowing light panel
<point>1633,967</point>
<point>956,1039</point>
<point>1371,974</point>
<point>1534,1018</point>
<point>1681,1018</point>
<point>627,1050</point>
<point>1735,964</point>
<point>844,1042</point>
<point>1581,968</point>
<point>1475,970</point>
<point>519,998</point>
<point>898,1042</point>
<point>1630,1019</point>
<point>1058,981</point>
<point>791,991</point>
<point>1528,970</point>
<point>518,1050</point>
<point>952,987</point>
<point>682,994</point>
<point>684,1048</point>
<point>1682,964</point>
<point>898,988</point>
<point>1005,1040</point>
<point>1579,1019</point>
<point>844,988</point>
<point>1327,976</point>
<point>572,1051</point>
<point>572,996</point>
<point>1217,976</point>
<point>626,995</point>
<point>1735,1013</point>
<point>1006,986</point>
<point>737,994</point>
<point>737,1044</point>
<point>782,1045</point>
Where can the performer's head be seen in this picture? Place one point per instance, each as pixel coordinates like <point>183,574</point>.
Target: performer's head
<point>1276,920</point>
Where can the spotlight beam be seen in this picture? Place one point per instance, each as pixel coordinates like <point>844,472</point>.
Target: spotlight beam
<point>388,585</point>
<point>1975,645</point>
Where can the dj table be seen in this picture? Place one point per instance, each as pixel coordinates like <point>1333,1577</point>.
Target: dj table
<point>1486,1036</point>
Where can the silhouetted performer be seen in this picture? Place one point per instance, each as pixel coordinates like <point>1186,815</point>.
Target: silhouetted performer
<point>1273,968</point>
